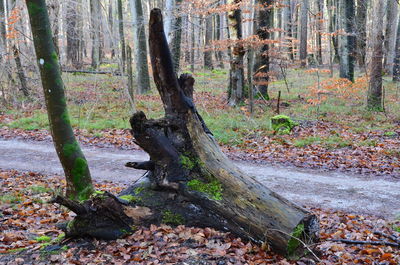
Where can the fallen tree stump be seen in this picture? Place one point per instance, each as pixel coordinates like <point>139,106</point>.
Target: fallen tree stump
<point>189,180</point>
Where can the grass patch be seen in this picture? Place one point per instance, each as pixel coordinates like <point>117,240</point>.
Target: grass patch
<point>43,239</point>
<point>10,198</point>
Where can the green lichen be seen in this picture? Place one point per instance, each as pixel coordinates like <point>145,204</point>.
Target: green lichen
<point>43,239</point>
<point>54,56</point>
<point>47,66</point>
<point>293,242</point>
<point>70,149</point>
<point>138,190</point>
<point>79,174</point>
<point>34,9</point>
<point>130,198</point>
<point>282,124</point>
<point>213,188</point>
<point>65,117</point>
<point>187,162</point>
<point>169,217</point>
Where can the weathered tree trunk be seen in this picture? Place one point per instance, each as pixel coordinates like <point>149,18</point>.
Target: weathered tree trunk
<point>236,71</point>
<point>95,20</point>
<point>54,11</point>
<point>374,101</point>
<point>219,55</point>
<point>208,63</point>
<point>361,24</point>
<point>20,71</point>
<point>390,34</point>
<point>3,39</point>
<point>79,184</point>
<point>169,18</point>
<point>303,32</point>
<point>73,34</point>
<point>139,37</point>
<point>176,39</point>
<point>396,65</point>
<point>121,34</point>
<point>320,23</point>
<point>262,61</point>
<point>189,180</point>
<point>347,40</point>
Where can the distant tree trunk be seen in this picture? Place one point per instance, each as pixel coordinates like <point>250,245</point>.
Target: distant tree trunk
<point>192,45</point>
<point>265,18</point>
<point>73,34</point>
<point>374,101</point>
<point>390,34</point>
<point>20,71</point>
<point>218,54</point>
<point>54,10</point>
<point>176,40</point>
<point>169,18</point>
<point>303,32</point>
<point>131,92</point>
<point>139,37</point>
<point>236,73</point>
<point>361,24</point>
<point>332,12</point>
<point>288,26</point>
<point>320,19</point>
<point>121,34</point>
<point>347,40</point>
<point>3,39</point>
<point>111,27</point>
<point>95,20</point>
<point>208,63</point>
<point>79,183</point>
<point>396,65</point>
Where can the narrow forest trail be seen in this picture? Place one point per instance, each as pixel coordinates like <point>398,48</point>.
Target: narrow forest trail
<point>360,194</point>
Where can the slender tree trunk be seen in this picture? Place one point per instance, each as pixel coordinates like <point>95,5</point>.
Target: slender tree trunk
<point>218,33</point>
<point>303,32</point>
<point>320,23</point>
<point>236,80</point>
<point>3,39</point>
<point>131,92</point>
<point>208,62</point>
<point>265,19</point>
<point>347,40</point>
<point>176,40</point>
<point>361,23</point>
<point>54,11</point>
<point>20,71</point>
<point>95,32</point>
<point>169,19</point>
<point>111,27</point>
<point>288,26</point>
<point>390,34</point>
<point>79,183</point>
<point>139,37</point>
<point>192,45</point>
<point>396,65</point>
<point>374,101</point>
<point>73,34</point>
<point>121,34</point>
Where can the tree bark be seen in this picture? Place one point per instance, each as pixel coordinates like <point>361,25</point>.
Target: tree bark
<point>374,101</point>
<point>262,61</point>
<point>79,183</point>
<point>139,37</point>
<point>73,34</point>
<point>176,39</point>
<point>95,20</point>
<point>236,72</point>
<point>320,23</point>
<point>208,62</point>
<point>3,39</point>
<point>189,180</point>
<point>390,34</point>
<point>347,39</point>
<point>303,32</point>
<point>396,65</point>
<point>361,24</point>
<point>121,35</point>
<point>20,71</point>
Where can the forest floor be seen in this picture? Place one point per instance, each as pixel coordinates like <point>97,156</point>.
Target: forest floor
<point>334,133</point>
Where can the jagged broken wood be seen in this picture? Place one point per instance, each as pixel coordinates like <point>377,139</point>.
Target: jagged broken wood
<point>189,180</point>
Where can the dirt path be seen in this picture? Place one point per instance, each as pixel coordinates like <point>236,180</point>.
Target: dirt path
<point>327,190</point>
